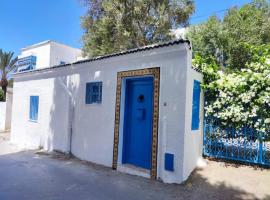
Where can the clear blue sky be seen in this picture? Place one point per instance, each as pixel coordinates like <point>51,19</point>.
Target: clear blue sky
<point>26,22</point>
<point>206,8</point>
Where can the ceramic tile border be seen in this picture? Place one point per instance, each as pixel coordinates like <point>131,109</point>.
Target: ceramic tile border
<point>155,72</point>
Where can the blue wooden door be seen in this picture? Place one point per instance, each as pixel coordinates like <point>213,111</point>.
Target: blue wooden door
<point>138,122</point>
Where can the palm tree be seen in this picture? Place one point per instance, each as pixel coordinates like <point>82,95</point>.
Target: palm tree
<point>7,65</point>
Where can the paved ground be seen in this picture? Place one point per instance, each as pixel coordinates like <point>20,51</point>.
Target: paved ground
<point>5,146</point>
<point>31,175</point>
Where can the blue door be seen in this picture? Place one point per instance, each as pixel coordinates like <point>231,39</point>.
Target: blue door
<point>138,122</point>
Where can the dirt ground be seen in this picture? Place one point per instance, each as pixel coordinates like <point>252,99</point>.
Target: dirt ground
<point>31,175</point>
<point>223,180</point>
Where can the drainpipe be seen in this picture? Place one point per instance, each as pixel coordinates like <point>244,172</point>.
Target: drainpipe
<point>70,113</point>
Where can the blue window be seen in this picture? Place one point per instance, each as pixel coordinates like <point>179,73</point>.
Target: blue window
<point>196,106</point>
<point>33,114</point>
<point>93,92</point>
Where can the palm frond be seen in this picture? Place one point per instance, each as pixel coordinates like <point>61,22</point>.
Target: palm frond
<point>7,63</point>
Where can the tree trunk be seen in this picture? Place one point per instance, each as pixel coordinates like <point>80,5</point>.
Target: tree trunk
<point>4,88</point>
<point>4,84</point>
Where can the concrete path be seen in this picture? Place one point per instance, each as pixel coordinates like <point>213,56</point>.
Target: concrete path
<point>5,146</point>
<point>30,175</point>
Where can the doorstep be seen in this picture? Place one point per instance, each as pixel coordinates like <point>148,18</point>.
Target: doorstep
<point>133,170</point>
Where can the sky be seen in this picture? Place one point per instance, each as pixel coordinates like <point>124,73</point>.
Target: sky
<point>207,8</point>
<point>26,22</point>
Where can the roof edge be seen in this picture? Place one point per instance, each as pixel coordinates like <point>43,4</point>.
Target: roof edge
<point>36,45</point>
<point>47,42</point>
<point>130,51</point>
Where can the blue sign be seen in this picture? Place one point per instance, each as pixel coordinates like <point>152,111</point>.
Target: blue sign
<point>26,63</point>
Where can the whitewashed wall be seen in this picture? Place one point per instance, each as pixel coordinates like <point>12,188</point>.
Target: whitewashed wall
<point>52,127</point>
<point>41,52</point>
<point>62,108</point>
<point>193,139</point>
<point>60,52</point>
<point>9,99</point>
<point>2,115</point>
<point>50,53</point>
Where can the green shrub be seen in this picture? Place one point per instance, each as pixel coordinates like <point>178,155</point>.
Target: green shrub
<point>2,96</point>
<point>241,97</point>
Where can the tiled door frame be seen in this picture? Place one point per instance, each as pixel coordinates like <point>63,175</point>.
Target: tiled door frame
<point>155,72</point>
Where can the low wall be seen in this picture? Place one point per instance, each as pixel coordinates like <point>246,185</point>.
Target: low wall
<point>2,115</point>
<point>9,100</point>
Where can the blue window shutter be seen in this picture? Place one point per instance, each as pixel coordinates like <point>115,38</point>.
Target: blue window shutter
<point>196,105</point>
<point>31,108</point>
<point>93,93</point>
<point>33,114</point>
<point>99,97</point>
<point>88,93</point>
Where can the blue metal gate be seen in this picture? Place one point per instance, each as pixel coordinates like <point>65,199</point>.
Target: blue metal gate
<point>243,144</point>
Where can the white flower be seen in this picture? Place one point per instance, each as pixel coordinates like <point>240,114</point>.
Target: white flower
<point>257,124</point>
<point>267,121</point>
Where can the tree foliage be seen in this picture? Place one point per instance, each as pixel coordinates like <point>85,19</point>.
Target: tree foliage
<point>234,56</point>
<point>7,65</point>
<point>227,40</point>
<point>2,95</point>
<point>240,98</point>
<point>116,25</point>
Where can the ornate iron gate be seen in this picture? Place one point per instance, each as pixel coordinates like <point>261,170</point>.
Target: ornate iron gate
<point>243,144</point>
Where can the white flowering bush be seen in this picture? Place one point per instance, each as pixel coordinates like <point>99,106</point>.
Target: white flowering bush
<point>242,97</point>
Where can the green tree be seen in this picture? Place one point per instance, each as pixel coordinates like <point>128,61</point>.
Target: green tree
<point>228,40</point>
<point>117,25</point>
<point>7,65</point>
<point>242,97</point>
<point>2,95</point>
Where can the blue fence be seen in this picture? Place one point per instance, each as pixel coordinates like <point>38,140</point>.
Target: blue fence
<point>243,144</point>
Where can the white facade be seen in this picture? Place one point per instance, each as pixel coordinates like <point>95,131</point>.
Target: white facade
<point>9,99</point>
<point>6,111</point>
<point>2,115</point>
<point>50,53</point>
<point>67,124</point>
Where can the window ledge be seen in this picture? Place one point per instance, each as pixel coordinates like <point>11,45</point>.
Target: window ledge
<point>34,121</point>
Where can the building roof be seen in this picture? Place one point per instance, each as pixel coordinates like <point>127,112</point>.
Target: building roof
<point>130,51</point>
<point>35,45</point>
<point>44,43</point>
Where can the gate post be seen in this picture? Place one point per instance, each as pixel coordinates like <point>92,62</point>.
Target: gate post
<point>260,152</point>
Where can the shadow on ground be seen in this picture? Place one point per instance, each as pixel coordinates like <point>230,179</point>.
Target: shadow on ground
<point>27,175</point>
<point>199,187</point>
<point>238,164</point>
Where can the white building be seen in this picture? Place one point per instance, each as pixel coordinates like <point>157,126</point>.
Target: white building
<point>5,111</point>
<point>180,33</point>
<point>138,111</point>
<point>46,54</point>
